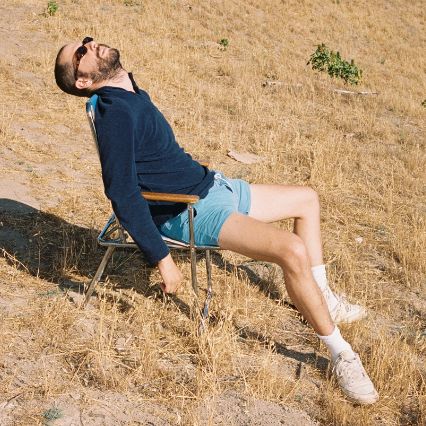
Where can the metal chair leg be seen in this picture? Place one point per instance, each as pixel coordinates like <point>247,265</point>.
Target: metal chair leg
<point>195,309</point>
<point>98,274</point>
<point>209,285</point>
<point>209,295</point>
<point>192,250</point>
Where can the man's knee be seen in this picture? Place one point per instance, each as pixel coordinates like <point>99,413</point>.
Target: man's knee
<point>312,197</point>
<point>293,255</point>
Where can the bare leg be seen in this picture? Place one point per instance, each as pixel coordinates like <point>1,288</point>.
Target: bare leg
<point>270,203</point>
<point>296,253</point>
<point>263,241</point>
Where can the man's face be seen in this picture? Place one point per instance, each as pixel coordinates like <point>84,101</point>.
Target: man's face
<point>99,63</point>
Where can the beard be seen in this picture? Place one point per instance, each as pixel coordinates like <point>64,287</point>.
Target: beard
<point>108,67</point>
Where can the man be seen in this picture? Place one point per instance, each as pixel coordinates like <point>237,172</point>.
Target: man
<point>138,152</point>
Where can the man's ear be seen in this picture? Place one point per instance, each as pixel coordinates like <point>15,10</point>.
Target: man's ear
<point>83,83</point>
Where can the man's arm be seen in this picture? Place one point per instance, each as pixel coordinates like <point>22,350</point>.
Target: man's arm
<point>116,148</point>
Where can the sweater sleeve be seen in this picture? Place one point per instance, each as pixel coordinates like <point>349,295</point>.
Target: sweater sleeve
<point>115,130</point>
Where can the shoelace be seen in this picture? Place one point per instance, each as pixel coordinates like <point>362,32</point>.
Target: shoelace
<point>343,303</point>
<point>354,369</point>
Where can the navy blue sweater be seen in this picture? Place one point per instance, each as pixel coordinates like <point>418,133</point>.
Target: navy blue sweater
<point>138,152</point>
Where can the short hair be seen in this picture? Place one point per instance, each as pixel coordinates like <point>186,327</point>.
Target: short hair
<point>65,78</point>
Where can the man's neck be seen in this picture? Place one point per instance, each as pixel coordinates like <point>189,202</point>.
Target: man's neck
<point>121,80</point>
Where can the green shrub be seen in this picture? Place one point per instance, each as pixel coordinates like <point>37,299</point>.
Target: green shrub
<point>224,42</point>
<point>324,59</point>
<point>52,8</point>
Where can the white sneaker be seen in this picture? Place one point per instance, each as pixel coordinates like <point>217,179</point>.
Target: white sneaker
<point>345,312</point>
<point>353,380</point>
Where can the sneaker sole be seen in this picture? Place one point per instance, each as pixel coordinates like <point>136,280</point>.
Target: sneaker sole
<point>368,399</point>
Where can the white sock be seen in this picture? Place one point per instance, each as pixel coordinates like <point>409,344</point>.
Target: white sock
<point>320,276</point>
<point>335,343</point>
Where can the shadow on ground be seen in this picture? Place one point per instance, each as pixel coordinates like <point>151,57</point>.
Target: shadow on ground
<point>48,247</point>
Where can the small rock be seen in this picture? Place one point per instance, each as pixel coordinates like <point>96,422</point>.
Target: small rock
<point>271,83</point>
<point>120,344</point>
<point>245,157</point>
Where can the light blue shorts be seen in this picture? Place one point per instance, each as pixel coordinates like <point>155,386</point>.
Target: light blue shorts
<point>225,197</point>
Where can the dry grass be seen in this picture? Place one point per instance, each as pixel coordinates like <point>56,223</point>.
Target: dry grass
<point>364,155</point>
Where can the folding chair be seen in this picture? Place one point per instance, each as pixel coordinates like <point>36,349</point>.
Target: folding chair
<point>113,235</point>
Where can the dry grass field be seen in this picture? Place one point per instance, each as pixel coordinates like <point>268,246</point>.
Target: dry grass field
<point>133,356</point>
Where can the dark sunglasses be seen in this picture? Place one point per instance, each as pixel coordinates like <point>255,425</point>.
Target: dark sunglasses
<point>79,53</point>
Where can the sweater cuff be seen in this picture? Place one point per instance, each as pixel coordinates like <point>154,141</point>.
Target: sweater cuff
<point>154,258</point>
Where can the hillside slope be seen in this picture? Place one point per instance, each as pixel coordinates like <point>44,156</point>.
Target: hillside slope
<point>133,356</point>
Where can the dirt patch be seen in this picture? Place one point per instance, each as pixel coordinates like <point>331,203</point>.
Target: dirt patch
<point>233,409</point>
<point>16,191</point>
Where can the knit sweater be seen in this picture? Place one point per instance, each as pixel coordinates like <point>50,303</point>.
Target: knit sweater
<point>138,152</point>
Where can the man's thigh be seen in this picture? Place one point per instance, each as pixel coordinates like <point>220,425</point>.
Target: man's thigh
<point>256,239</point>
<point>270,203</point>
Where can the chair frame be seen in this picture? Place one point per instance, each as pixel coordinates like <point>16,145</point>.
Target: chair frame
<point>114,236</point>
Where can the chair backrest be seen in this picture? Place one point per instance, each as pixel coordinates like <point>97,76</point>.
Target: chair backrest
<point>90,111</point>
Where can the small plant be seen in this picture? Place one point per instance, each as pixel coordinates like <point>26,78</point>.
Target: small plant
<point>424,103</point>
<point>224,42</point>
<point>132,3</point>
<point>52,414</point>
<point>52,8</point>
<point>324,59</point>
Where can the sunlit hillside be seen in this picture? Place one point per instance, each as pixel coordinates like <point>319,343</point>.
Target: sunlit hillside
<point>229,75</point>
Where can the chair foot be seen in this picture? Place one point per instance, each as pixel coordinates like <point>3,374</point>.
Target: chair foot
<point>205,311</point>
<point>98,274</point>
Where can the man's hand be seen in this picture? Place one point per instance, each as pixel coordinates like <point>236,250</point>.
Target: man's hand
<point>171,274</point>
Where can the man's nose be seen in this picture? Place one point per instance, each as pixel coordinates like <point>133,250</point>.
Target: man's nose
<point>92,45</point>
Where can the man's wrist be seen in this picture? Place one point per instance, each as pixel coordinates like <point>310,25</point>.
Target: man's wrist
<point>165,261</point>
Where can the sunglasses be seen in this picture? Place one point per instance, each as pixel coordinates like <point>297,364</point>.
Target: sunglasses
<point>80,52</point>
